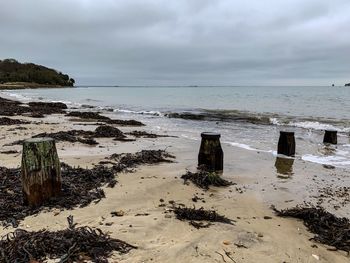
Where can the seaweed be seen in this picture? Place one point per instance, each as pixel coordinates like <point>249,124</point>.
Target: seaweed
<point>204,179</point>
<point>73,244</point>
<point>88,115</point>
<point>193,215</point>
<point>328,229</point>
<point>80,187</point>
<point>85,137</point>
<point>125,161</point>
<point>9,121</point>
<point>143,134</point>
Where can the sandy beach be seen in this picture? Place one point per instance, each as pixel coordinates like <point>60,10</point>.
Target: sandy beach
<point>143,196</point>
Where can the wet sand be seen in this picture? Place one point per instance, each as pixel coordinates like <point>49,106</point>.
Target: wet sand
<point>257,236</point>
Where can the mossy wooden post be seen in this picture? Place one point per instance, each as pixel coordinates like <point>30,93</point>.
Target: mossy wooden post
<point>41,172</point>
<point>286,143</point>
<point>330,136</point>
<point>210,153</point>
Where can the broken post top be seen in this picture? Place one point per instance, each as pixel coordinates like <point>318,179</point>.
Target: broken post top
<point>331,131</point>
<point>210,135</point>
<point>287,132</point>
<point>38,140</point>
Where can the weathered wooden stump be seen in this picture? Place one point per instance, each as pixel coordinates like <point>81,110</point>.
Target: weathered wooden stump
<point>330,136</point>
<point>286,143</point>
<point>210,152</point>
<point>41,172</point>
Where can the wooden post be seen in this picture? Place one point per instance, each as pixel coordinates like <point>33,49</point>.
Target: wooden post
<point>286,143</point>
<point>41,172</point>
<point>330,136</point>
<point>210,152</point>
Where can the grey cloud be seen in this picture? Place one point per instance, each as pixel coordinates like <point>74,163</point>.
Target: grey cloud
<point>160,42</point>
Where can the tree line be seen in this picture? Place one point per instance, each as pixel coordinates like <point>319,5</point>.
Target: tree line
<point>13,71</point>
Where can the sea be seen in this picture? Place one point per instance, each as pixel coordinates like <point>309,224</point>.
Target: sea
<point>248,117</point>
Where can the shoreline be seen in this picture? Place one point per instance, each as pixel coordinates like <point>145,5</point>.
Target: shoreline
<point>160,237</point>
<point>28,85</point>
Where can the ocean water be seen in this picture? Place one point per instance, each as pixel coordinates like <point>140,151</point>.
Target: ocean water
<point>246,117</point>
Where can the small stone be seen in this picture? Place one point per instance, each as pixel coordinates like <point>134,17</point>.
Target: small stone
<point>118,213</point>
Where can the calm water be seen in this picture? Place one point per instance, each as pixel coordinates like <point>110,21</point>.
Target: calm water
<point>247,117</point>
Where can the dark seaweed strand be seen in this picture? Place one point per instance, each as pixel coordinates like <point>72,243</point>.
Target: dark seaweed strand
<point>71,244</point>
<point>329,229</point>
<point>193,214</point>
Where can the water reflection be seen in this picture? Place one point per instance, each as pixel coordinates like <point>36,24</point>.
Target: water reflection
<point>284,167</point>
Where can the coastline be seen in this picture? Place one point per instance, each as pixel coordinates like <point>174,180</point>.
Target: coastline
<point>160,237</point>
<point>28,85</point>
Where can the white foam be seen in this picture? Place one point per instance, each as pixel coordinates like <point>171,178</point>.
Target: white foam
<point>154,113</point>
<point>243,146</point>
<point>328,160</point>
<point>313,125</point>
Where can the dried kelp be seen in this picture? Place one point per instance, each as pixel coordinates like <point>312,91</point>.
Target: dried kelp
<point>204,179</point>
<point>85,137</point>
<point>131,160</point>
<point>328,228</point>
<point>143,134</point>
<point>193,215</point>
<point>9,121</point>
<point>74,244</point>
<point>69,136</point>
<point>80,187</point>
<point>12,107</point>
<point>105,131</point>
<point>88,115</point>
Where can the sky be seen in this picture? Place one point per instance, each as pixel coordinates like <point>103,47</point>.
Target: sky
<point>182,42</point>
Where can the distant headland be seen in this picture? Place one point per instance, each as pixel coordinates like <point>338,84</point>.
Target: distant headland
<point>347,85</point>
<point>16,75</point>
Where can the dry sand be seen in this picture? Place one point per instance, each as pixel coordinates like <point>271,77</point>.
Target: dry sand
<point>160,237</point>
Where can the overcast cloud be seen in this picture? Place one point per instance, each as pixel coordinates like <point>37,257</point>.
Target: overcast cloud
<point>164,42</point>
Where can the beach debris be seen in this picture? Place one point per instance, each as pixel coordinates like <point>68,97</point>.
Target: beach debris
<point>335,195</point>
<point>328,229</point>
<point>9,152</point>
<point>144,134</point>
<point>316,257</point>
<point>87,115</point>
<point>46,108</point>
<point>40,170</point>
<point>125,161</point>
<point>210,153</point>
<point>9,121</point>
<point>12,107</point>
<point>80,187</point>
<point>125,122</point>
<point>194,215</point>
<point>108,132</point>
<point>93,116</point>
<point>204,179</point>
<point>118,213</point>
<point>70,136</point>
<point>82,136</point>
<point>74,244</point>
